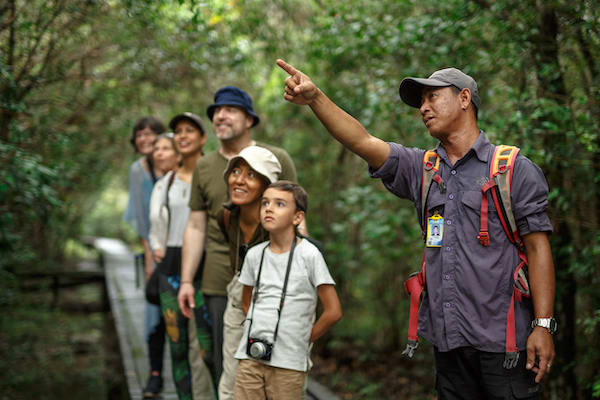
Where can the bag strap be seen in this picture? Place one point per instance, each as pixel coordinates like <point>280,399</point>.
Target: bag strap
<point>414,286</point>
<point>226,218</point>
<point>169,184</point>
<point>431,165</point>
<point>416,282</point>
<point>501,171</point>
<point>499,185</point>
<point>283,292</point>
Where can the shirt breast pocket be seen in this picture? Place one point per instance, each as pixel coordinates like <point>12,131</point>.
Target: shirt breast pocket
<point>435,202</point>
<point>471,215</point>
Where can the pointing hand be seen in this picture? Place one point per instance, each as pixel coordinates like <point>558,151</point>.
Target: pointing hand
<point>299,89</point>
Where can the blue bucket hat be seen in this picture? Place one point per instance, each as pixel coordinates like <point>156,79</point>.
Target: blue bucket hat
<point>232,96</point>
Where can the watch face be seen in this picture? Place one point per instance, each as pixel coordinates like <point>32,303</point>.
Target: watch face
<point>553,325</point>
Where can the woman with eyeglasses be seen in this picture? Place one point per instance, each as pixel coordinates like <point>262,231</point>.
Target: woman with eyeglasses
<point>247,176</point>
<point>143,174</point>
<point>169,212</point>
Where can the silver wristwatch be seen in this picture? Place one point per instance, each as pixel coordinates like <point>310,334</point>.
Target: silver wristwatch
<point>548,323</point>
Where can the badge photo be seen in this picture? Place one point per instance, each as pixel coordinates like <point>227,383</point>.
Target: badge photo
<point>435,230</point>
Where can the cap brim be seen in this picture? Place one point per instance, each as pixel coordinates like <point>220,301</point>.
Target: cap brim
<point>210,111</point>
<point>411,89</point>
<point>175,120</point>
<point>231,164</point>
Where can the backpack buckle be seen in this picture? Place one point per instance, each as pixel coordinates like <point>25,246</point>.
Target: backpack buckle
<point>511,358</point>
<point>484,238</point>
<point>411,346</point>
<point>441,184</point>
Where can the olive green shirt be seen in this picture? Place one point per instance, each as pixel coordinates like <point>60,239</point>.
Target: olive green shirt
<point>209,192</point>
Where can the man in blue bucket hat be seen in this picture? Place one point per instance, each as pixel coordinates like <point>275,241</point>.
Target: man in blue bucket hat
<point>235,97</point>
<point>232,116</point>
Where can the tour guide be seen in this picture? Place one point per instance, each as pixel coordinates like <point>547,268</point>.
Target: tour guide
<point>468,284</point>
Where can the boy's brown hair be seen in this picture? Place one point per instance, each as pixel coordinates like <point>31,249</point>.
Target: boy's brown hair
<point>300,195</point>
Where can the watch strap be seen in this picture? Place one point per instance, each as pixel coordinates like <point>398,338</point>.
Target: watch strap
<point>548,323</point>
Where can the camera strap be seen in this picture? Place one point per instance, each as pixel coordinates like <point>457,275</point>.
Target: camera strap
<point>283,292</point>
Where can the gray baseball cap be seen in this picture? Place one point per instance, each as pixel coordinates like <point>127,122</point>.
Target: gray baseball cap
<point>193,118</point>
<point>411,88</point>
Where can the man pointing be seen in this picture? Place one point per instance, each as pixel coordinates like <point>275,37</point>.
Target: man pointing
<point>468,285</point>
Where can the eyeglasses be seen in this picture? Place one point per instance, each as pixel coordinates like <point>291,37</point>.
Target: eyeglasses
<point>143,134</point>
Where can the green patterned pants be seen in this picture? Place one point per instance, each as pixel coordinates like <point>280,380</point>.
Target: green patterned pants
<point>177,332</point>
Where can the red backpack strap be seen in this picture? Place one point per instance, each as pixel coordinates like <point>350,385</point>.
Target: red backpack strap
<point>415,284</point>
<point>431,165</point>
<point>500,181</point>
<point>499,184</point>
<point>501,171</point>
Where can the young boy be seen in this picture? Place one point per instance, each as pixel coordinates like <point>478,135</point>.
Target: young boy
<point>286,274</point>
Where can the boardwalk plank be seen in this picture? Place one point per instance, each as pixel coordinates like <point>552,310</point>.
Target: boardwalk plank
<point>128,306</point>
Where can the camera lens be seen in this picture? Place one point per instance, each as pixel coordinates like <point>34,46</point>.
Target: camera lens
<point>257,350</point>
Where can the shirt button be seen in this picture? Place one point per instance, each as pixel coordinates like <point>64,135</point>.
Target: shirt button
<point>447,277</point>
<point>449,222</point>
<point>447,305</point>
<point>451,196</point>
<point>448,248</point>
<point>453,172</point>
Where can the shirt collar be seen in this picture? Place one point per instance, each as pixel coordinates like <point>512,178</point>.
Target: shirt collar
<point>481,147</point>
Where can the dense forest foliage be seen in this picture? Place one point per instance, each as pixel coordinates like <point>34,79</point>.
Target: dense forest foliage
<point>75,75</point>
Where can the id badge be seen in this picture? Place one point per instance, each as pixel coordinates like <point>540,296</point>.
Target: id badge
<point>435,230</point>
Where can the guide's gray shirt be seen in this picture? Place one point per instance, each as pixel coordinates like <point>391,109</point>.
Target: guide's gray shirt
<point>469,286</point>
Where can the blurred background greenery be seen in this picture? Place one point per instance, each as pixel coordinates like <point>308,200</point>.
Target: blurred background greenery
<point>76,75</point>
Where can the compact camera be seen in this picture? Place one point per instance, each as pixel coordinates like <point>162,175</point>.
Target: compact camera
<point>259,349</point>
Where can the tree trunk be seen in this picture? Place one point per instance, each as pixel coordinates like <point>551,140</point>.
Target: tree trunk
<point>552,86</point>
<point>6,114</point>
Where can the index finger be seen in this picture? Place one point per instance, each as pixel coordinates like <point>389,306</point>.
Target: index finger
<point>286,67</point>
<point>543,366</point>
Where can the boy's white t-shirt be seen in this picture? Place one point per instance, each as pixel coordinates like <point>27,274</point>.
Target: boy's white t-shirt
<point>308,271</point>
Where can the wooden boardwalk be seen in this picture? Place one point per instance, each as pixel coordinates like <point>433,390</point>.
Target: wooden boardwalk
<point>127,303</point>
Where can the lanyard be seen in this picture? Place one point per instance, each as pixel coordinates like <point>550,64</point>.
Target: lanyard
<point>285,282</point>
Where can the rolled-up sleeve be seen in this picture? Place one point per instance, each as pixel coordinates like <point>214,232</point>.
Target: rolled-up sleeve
<point>529,195</point>
<point>401,172</point>
<point>197,201</point>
